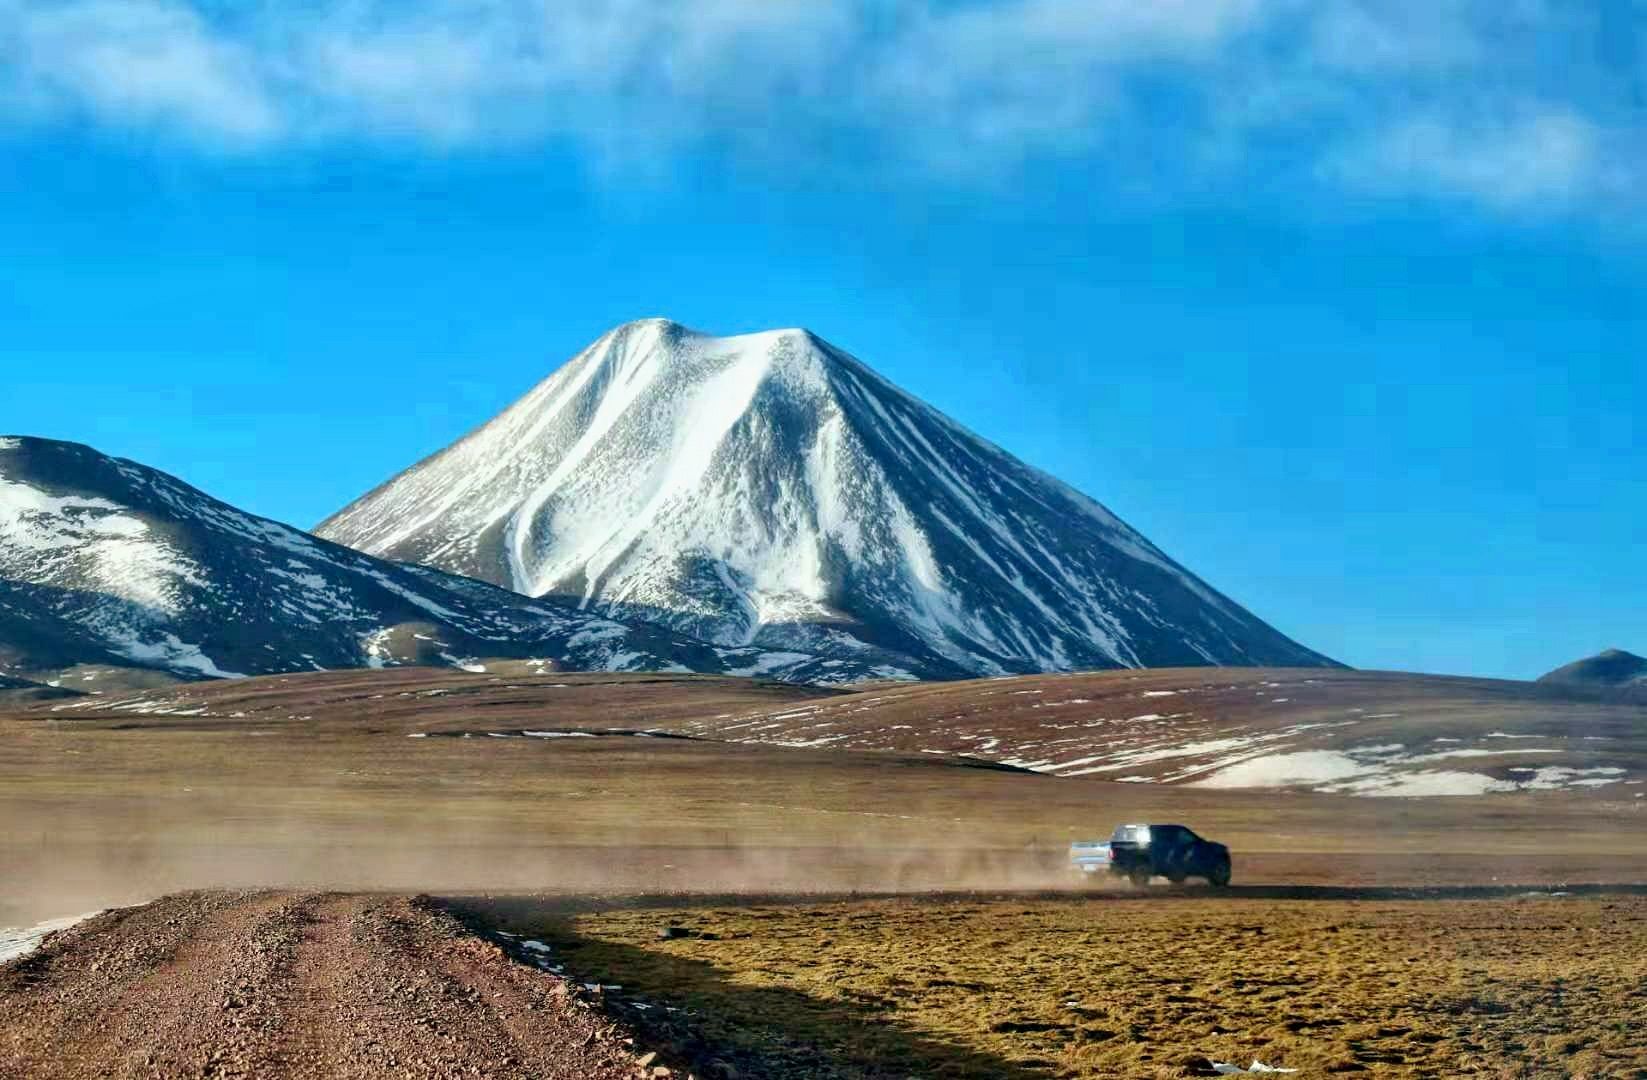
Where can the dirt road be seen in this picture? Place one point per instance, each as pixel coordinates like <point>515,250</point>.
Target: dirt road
<point>284,984</point>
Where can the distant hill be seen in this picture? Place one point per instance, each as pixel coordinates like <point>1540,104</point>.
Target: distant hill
<point>14,691</point>
<point>1365,733</point>
<point>1612,669</point>
<point>1194,730</point>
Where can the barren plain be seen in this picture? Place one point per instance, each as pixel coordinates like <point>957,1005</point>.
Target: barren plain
<point>899,911</point>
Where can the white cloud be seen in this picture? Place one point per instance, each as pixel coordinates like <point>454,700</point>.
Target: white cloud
<point>1538,158</point>
<point>142,62</point>
<point>1462,99</point>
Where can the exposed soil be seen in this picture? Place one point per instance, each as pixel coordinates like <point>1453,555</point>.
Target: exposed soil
<point>280,984</point>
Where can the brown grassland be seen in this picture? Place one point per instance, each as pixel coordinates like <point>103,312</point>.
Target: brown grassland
<point>1123,987</point>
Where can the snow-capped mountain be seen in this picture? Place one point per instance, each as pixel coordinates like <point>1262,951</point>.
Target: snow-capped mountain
<point>770,490</point>
<point>107,563</point>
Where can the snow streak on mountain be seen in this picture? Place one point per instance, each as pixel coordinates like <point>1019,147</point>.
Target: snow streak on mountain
<point>106,562</point>
<point>770,490</point>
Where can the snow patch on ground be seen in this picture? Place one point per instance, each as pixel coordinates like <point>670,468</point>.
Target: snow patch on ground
<point>1305,767</point>
<point>1423,783</point>
<point>767,663</point>
<point>20,941</point>
<point>169,652</point>
<point>1363,772</point>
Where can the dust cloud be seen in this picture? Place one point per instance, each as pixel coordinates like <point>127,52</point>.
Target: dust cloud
<point>84,865</point>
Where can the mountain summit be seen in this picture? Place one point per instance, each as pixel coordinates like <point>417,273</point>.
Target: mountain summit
<point>771,490</point>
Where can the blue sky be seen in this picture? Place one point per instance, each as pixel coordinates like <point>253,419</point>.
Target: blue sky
<point>1340,303</point>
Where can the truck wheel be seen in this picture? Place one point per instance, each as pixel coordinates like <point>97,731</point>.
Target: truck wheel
<point>1176,878</point>
<point>1220,876</point>
<point>1139,878</point>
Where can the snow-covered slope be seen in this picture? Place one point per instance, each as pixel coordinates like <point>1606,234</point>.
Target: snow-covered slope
<point>106,562</point>
<point>771,490</point>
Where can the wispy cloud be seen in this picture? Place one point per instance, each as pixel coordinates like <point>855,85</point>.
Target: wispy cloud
<point>135,62</point>
<point>1539,157</point>
<point>1460,99</point>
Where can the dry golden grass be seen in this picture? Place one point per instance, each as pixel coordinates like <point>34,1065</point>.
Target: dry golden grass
<point>1128,987</point>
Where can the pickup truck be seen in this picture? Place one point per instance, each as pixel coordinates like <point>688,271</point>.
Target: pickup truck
<point>1140,852</point>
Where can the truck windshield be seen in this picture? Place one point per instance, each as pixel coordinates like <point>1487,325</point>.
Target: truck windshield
<point>1131,834</point>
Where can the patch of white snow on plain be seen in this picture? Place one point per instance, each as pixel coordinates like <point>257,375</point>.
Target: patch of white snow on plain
<point>1160,693</point>
<point>20,941</point>
<point>1556,777</point>
<point>1285,770</point>
<point>1476,752</point>
<point>1424,784</point>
